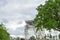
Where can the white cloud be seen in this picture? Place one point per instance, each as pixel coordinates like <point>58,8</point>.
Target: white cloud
<point>14,11</point>
<point>16,4</point>
<point>14,24</point>
<point>15,36</point>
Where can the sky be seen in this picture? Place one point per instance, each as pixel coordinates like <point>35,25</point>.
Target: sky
<point>14,13</point>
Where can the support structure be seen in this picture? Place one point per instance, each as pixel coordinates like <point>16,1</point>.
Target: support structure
<point>27,27</point>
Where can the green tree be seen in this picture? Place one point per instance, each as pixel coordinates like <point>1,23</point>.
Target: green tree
<point>17,38</point>
<point>48,15</point>
<point>32,38</point>
<point>4,35</point>
<point>59,36</point>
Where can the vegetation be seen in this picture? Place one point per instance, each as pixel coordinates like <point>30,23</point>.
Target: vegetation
<point>59,35</point>
<point>17,38</point>
<point>32,38</point>
<point>48,15</point>
<point>4,35</point>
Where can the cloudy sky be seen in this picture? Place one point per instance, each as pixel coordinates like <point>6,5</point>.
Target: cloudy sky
<point>13,14</point>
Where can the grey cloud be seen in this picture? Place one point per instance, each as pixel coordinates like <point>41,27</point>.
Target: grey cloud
<point>26,1</point>
<point>25,10</point>
<point>4,20</point>
<point>3,2</point>
<point>15,14</point>
<point>18,31</point>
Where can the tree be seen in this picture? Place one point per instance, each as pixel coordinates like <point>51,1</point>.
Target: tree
<point>48,15</point>
<point>59,36</point>
<point>4,35</point>
<point>32,38</point>
<point>17,38</point>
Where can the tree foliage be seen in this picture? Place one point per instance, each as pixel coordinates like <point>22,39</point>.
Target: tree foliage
<point>4,35</point>
<point>48,15</point>
<point>59,35</point>
<point>32,38</point>
<point>17,38</point>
